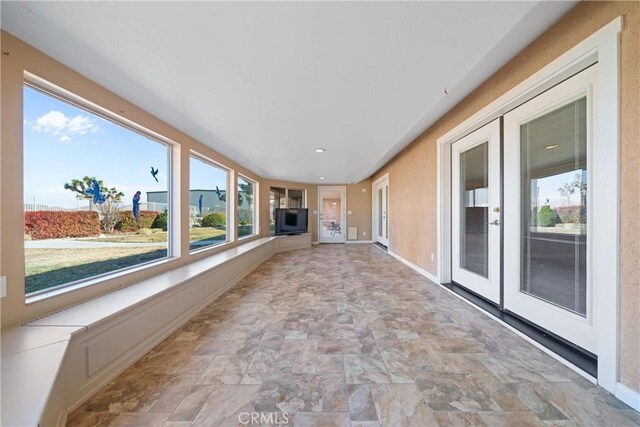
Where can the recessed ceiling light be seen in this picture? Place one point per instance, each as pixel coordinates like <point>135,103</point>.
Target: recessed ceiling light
<point>320,150</point>
<point>550,147</point>
<point>322,177</point>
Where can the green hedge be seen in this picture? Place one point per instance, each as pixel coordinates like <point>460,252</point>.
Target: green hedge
<point>214,220</point>
<point>161,221</point>
<point>128,223</point>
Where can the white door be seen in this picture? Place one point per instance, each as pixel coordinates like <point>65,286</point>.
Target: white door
<point>548,207</point>
<point>475,203</point>
<point>381,208</point>
<point>331,214</point>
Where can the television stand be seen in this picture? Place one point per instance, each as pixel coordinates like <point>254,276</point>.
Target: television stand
<point>293,241</point>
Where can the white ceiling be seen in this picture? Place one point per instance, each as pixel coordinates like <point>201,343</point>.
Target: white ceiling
<point>267,83</point>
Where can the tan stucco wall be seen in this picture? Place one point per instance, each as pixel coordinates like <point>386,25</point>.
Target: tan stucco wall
<point>359,203</point>
<point>412,173</point>
<point>23,57</point>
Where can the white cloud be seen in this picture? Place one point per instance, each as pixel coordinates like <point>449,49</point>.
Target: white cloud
<point>64,128</point>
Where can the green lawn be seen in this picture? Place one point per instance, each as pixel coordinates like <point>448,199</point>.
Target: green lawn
<point>46,268</point>
<point>150,235</point>
<point>156,235</point>
<point>205,236</point>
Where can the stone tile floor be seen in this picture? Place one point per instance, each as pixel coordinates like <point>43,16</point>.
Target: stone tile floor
<point>344,335</point>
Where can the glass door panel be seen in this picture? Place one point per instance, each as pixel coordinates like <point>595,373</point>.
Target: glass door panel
<point>547,203</point>
<point>474,210</point>
<point>332,215</point>
<point>475,203</point>
<point>554,225</point>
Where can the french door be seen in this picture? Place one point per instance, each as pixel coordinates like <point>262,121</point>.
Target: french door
<point>547,205</point>
<point>381,209</point>
<point>332,214</point>
<point>475,203</point>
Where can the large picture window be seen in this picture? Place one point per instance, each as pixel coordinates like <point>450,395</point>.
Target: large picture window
<point>208,212</point>
<point>246,207</point>
<point>89,186</point>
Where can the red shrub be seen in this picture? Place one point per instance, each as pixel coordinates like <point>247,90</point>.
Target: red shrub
<point>128,223</point>
<point>55,225</point>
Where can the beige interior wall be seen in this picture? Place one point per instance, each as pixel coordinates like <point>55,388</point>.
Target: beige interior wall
<point>412,173</point>
<point>359,203</point>
<point>21,57</point>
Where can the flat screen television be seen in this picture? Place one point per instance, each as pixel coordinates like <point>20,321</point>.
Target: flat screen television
<point>291,221</point>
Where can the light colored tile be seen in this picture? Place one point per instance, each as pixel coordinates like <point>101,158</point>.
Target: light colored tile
<point>225,404</point>
<point>347,336</point>
<point>323,419</point>
<point>401,405</point>
<point>365,368</point>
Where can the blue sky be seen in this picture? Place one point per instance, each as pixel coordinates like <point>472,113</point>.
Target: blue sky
<point>62,142</point>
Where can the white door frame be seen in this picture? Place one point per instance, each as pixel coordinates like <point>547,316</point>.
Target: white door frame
<point>374,207</point>
<point>602,47</point>
<point>581,330</point>
<point>343,212</point>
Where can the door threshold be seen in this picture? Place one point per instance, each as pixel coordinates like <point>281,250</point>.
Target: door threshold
<point>581,358</point>
<point>381,246</point>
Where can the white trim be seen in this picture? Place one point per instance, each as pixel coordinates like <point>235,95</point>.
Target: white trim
<point>256,204</point>
<point>411,265</point>
<point>603,46</point>
<point>210,162</point>
<point>381,178</point>
<point>351,242</point>
<point>628,396</point>
<point>578,329</point>
<point>36,82</point>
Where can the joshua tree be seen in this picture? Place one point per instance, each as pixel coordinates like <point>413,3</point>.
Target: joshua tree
<point>109,208</point>
<point>81,186</point>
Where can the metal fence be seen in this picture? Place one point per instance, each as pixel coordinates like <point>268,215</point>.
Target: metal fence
<point>48,202</point>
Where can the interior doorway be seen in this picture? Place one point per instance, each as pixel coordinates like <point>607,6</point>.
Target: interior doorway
<point>332,214</point>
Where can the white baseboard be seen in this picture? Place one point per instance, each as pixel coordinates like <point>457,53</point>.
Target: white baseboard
<point>411,265</point>
<point>315,243</point>
<point>358,241</point>
<point>628,396</point>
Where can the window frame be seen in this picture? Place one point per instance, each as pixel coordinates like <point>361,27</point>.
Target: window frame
<point>46,88</point>
<point>228,171</point>
<point>255,216</point>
